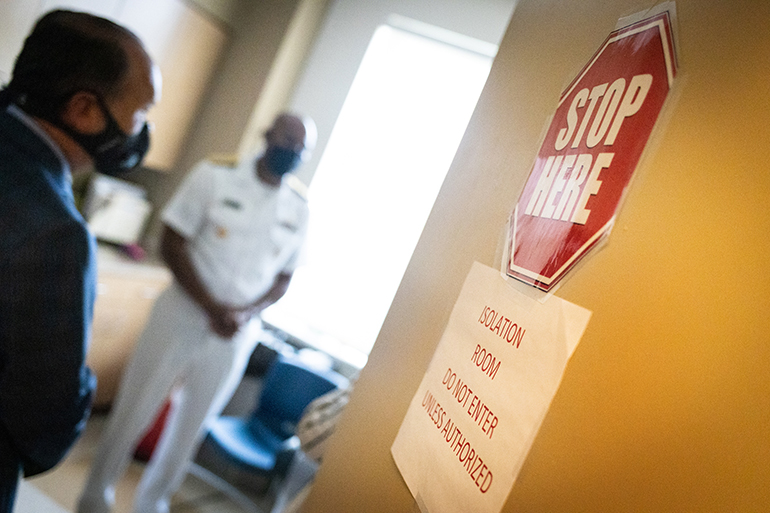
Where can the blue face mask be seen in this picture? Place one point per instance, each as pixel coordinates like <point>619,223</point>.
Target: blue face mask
<point>282,160</point>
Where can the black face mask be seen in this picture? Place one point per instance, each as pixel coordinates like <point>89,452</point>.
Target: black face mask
<point>282,160</point>
<point>113,151</point>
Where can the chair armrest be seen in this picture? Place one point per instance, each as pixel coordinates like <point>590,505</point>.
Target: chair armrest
<point>291,444</point>
<point>283,459</point>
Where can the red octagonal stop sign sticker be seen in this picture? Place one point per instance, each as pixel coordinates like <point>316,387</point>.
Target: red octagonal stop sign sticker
<point>600,128</point>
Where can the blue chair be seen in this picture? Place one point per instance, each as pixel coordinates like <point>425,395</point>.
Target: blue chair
<point>265,442</point>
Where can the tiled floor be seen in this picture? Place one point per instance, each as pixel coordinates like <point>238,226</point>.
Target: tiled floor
<point>64,483</point>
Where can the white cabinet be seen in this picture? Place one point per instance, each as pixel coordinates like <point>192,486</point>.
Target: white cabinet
<point>187,45</point>
<point>185,42</point>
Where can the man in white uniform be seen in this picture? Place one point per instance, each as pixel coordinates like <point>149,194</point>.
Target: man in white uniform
<point>231,239</point>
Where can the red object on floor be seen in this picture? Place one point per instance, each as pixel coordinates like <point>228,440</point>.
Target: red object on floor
<point>144,450</point>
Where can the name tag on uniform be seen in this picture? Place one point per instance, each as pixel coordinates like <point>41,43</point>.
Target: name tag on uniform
<point>231,203</point>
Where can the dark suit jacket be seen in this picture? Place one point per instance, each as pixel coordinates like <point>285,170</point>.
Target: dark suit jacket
<point>47,290</point>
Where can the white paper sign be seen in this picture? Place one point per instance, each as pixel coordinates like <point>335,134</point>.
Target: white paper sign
<point>486,391</point>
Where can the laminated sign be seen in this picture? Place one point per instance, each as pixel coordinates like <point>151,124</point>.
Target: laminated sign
<point>600,128</point>
<point>484,395</point>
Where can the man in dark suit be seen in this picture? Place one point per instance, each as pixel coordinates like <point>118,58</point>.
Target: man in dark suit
<point>78,97</point>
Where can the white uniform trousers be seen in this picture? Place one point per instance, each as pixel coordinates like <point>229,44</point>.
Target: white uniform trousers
<point>178,352</point>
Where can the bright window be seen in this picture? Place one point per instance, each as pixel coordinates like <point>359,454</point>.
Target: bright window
<point>375,185</point>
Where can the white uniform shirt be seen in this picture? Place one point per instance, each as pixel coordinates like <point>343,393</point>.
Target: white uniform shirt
<point>241,232</point>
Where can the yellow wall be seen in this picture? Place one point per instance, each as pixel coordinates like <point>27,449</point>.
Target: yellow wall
<point>665,405</point>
